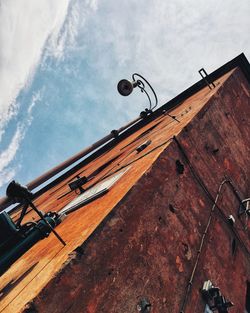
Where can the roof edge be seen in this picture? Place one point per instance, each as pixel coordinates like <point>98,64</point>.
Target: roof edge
<point>239,61</point>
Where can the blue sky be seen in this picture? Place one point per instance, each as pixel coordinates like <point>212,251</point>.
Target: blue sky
<point>60,62</point>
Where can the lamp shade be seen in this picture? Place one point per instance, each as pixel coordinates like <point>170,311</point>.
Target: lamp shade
<point>125,87</point>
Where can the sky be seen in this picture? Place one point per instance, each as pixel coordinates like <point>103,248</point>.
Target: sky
<point>61,60</point>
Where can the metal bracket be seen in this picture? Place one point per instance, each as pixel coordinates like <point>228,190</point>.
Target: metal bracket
<point>23,195</point>
<point>214,299</point>
<point>77,183</point>
<point>206,78</point>
<point>244,207</point>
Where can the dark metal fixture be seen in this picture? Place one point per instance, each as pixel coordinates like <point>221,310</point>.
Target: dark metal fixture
<point>244,207</point>
<point>233,246</point>
<point>143,146</point>
<point>172,208</point>
<point>5,201</point>
<point>206,78</point>
<point>247,305</point>
<point>125,88</point>
<point>17,238</point>
<point>115,133</point>
<point>213,297</point>
<point>77,183</point>
<point>144,306</point>
<point>24,196</point>
<point>18,193</point>
<point>179,167</point>
<point>15,241</point>
<point>231,220</point>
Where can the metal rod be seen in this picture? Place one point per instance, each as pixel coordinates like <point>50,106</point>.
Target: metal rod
<point>51,228</point>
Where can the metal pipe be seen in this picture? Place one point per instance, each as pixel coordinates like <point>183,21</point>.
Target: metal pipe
<point>20,244</point>
<point>5,201</point>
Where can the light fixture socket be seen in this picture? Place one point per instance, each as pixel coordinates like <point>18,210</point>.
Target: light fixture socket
<point>125,87</point>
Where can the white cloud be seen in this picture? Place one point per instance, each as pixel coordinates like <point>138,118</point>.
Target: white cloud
<point>24,28</point>
<point>8,155</point>
<point>30,32</point>
<point>167,41</point>
<point>7,171</point>
<point>63,37</point>
<point>37,96</point>
<point>7,175</point>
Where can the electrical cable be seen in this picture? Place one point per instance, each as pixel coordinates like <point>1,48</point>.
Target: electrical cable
<point>108,174</point>
<point>200,247</point>
<point>211,198</point>
<point>214,201</point>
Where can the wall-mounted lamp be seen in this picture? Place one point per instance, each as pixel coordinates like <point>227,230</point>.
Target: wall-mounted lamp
<point>23,195</point>
<point>125,88</point>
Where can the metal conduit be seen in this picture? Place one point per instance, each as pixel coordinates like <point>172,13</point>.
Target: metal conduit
<point>214,201</point>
